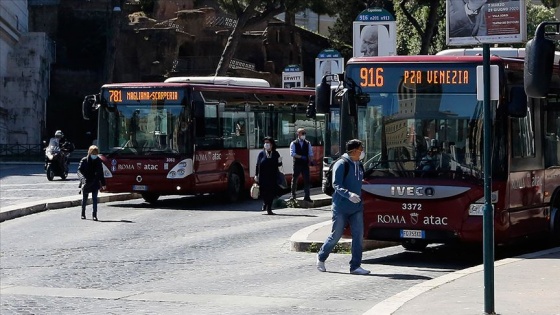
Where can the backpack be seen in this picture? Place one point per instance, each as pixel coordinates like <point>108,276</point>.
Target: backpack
<point>327,186</point>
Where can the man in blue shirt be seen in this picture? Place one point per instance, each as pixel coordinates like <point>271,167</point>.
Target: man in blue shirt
<point>302,153</point>
<point>347,207</point>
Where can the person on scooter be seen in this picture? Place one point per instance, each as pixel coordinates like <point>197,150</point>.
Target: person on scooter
<point>59,143</point>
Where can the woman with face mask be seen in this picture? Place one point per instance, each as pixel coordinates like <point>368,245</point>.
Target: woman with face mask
<point>268,162</point>
<point>90,173</point>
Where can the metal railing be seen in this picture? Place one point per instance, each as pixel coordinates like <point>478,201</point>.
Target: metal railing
<point>18,152</point>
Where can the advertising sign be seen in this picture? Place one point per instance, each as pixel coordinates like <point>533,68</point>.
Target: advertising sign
<point>475,22</point>
<point>374,33</point>
<point>328,61</point>
<point>292,77</point>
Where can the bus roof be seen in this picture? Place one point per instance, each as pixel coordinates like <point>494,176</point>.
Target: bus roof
<point>506,52</point>
<point>235,81</point>
<point>455,55</point>
<point>422,59</point>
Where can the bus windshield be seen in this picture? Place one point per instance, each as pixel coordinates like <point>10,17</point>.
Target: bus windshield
<point>423,120</point>
<point>132,129</point>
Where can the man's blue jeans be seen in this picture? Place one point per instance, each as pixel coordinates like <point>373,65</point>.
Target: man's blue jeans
<point>356,221</point>
<point>85,196</point>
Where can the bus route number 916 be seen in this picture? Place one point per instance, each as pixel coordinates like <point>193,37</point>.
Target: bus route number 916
<point>371,77</point>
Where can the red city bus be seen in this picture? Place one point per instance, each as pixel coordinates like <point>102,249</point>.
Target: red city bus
<point>185,137</point>
<point>422,127</point>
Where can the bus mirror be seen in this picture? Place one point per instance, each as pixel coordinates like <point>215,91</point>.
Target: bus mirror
<point>517,106</point>
<point>349,98</point>
<point>323,97</point>
<point>539,59</point>
<point>88,106</point>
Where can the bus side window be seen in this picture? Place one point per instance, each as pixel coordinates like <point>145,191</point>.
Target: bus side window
<point>207,129</point>
<point>552,139</point>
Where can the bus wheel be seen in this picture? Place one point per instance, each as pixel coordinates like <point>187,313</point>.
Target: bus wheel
<point>150,197</point>
<point>234,187</point>
<point>414,245</point>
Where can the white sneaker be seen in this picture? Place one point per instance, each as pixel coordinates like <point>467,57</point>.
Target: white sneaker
<point>359,271</point>
<point>321,265</point>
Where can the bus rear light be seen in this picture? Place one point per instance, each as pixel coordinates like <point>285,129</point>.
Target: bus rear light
<point>178,188</point>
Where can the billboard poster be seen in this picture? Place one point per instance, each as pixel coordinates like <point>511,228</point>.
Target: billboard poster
<point>374,33</point>
<point>328,61</point>
<point>292,77</point>
<point>475,22</point>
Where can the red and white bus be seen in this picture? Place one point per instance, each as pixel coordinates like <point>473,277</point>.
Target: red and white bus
<point>422,127</point>
<point>196,135</point>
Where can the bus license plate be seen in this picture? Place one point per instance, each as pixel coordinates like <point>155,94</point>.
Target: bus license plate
<point>139,187</point>
<point>413,234</point>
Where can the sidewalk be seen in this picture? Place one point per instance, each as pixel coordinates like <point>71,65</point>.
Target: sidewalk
<point>23,209</point>
<point>523,285</point>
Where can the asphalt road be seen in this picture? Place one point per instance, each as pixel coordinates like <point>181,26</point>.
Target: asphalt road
<point>192,256</point>
<point>28,182</point>
<point>188,255</point>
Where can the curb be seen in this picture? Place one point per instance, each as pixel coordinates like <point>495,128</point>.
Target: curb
<point>300,241</point>
<point>392,304</point>
<point>21,210</point>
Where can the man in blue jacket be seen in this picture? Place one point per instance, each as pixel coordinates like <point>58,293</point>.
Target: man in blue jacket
<point>347,206</point>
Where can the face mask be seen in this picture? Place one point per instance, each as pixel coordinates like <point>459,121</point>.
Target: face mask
<point>93,156</point>
<point>267,146</point>
<point>302,137</point>
<point>362,155</point>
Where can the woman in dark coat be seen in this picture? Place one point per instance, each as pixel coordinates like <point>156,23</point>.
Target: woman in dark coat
<point>90,172</point>
<point>268,162</point>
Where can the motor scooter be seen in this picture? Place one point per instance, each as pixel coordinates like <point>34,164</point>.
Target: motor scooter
<point>56,159</point>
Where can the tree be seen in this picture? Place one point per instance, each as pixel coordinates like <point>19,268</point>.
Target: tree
<point>535,15</point>
<point>252,12</point>
<point>425,25</point>
<point>551,3</point>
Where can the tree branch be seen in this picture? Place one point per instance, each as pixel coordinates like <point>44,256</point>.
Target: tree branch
<point>410,18</point>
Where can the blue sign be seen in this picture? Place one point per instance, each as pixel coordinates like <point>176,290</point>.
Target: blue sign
<point>293,68</point>
<point>375,15</point>
<point>329,53</point>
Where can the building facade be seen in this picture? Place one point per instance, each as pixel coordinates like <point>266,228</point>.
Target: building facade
<point>25,59</point>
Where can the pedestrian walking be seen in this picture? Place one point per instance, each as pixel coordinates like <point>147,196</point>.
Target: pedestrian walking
<point>267,173</point>
<point>347,206</point>
<point>302,153</point>
<point>90,173</point>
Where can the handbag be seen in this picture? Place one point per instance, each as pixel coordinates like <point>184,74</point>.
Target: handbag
<point>255,190</point>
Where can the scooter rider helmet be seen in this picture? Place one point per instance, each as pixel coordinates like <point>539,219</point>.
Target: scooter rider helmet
<point>58,134</point>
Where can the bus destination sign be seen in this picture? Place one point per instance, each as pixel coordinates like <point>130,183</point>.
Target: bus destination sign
<point>126,95</point>
<point>387,77</point>
<point>372,77</point>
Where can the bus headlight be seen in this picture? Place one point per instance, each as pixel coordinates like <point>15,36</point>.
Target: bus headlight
<point>183,169</point>
<point>106,172</point>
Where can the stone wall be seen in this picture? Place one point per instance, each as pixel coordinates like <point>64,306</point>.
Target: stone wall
<point>25,88</point>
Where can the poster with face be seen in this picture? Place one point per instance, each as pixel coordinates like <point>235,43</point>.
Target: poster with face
<point>374,39</point>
